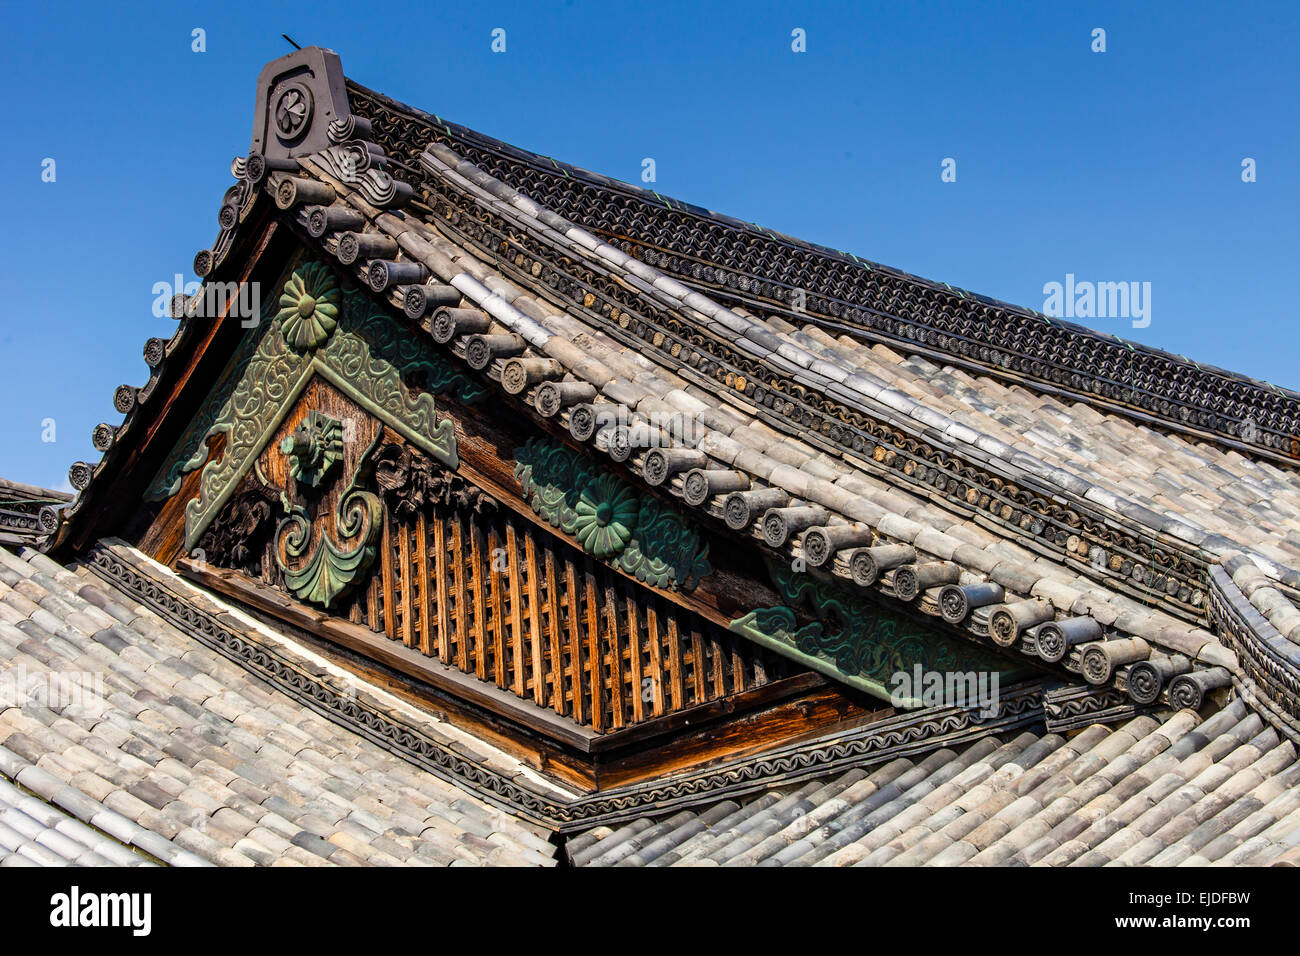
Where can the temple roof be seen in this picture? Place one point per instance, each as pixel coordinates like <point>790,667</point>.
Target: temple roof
<point>1112,516</point>
<point>792,476</point>
<point>146,735</point>
<point>740,260</point>
<point>1177,792</point>
<point>27,513</point>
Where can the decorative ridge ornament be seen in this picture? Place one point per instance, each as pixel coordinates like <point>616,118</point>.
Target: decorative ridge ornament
<point>309,307</point>
<point>609,518</point>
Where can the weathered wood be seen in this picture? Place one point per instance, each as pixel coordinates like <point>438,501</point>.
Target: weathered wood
<point>553,630</point>
<point>698,665</point>
<point>497,586</point>
<point>575,670</point>
<point>617,690</point>
<point>656,659</point>
<point>443,641</point>
<point>595,656</point>
<point>635,675</point>
<point>386,566</point>
<point>535,645</point>
<point>675,663</point>
<point>461,601</point>
<point>409,636</point>
<point>516,625</point>
<point>422,571</point>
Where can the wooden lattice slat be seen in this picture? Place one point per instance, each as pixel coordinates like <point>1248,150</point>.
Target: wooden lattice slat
<point>509,604</point>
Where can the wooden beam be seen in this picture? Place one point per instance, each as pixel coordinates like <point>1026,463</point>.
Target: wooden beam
<point>390,653</point>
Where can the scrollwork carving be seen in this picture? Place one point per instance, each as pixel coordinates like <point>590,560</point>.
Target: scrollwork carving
<point>315,568</point>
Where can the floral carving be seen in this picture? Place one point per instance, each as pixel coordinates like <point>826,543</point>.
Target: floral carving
<point>309,307</point>
<point>609,519</point>
<point>237,536</point>
<point>411,483</point>
<point>606,514</point>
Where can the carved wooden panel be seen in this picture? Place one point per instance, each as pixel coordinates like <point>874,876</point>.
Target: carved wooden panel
<point>464,580</point>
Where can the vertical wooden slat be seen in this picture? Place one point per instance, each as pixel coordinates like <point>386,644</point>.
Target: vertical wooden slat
<point>403,536</point>
<point>372,603</point>
<point>460,599</point>
<point>496,579</point>
<point>616,689</point>
<point>516,611</point>
<point>536,647</point>
<point>479,578</point>
<point>675,662</point>
<point>718,652</point>
<point>594,656</point>
<point>634,654</point>
<point>737,669</point>
<point>656,658</point>
<point>386,564</point>
<point>443,639</point>
<point>697,651</point>
<point>422,575</point>
<point>575,674</point>
<point>553,631</point>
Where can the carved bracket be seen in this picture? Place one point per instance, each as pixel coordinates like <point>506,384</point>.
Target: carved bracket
<point>411,483</point>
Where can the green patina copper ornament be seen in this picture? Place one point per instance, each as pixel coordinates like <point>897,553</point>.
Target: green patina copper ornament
<point>857,640</point>
<point>309,307</point>
<point>607,512</point>
<point>609,518</point>
<point>329,571</point>
<point>375,362</point>
<point>313,447</point>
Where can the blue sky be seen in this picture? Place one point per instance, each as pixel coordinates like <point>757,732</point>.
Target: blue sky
<point>1115,166</point>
